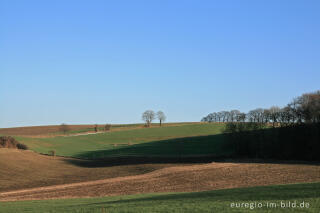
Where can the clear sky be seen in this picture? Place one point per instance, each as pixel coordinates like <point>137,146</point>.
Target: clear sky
<point>108,61</point>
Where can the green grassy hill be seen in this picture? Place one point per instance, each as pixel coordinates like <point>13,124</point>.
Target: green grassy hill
<point>209,201</point>
<point>186,140</point>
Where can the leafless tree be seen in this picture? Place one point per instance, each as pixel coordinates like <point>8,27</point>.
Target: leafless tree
<point>266,115</point>
<point>107,127</point>
<point>284,116</point>
<point>64,128</point>
<point>161,116</point>
<point>252,117</point>
<point>224,115</point>
<point>204,119</point>
<point>259,115</point>
<point>309,106</point>
<point>219,116</point>
<point>241,117</point>
<point>213,117</point>
<point>274,114</point>
<point>234,114</point>
<point>148,116</point>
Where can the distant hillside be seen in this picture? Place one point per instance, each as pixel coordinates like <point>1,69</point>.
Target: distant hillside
<point>41,130</point>
<point>72,129</point>
<point>171,140</point>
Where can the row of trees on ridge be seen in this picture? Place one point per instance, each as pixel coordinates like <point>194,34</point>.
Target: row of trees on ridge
<point>149,115</point>
<point>303,109</point>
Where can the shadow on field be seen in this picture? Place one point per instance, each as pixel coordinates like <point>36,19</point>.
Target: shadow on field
<point>199,149</point>
<point>260,146</point>
<point>277,193</point>
<point>134,160</point>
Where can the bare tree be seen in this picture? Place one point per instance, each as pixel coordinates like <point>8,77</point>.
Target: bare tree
<point>204,119</point>
<point>266,115</point>
<point>234,114</point>
<point>284,116</point>
<point>224,116</point>
<point>107,127</point>
<point>309,106</point>
<point>219,116</point>
<point>252,117</point>
<point>212,117</point>
<point>96,127</point>
<point>161,116</point>
<point>241,117</point>
<point>274,114</point>
<point>259,115</point>
<point>228,116</point>
<point>148,116</point>
<point>64,128</point>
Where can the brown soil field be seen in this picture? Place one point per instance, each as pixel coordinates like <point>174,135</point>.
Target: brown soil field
<point>143,178</point>
<point>20,169</point>
<point>40,130</point>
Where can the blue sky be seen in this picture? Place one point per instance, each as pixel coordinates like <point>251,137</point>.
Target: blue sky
<point>108,61</point>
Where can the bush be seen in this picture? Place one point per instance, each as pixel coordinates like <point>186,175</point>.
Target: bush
<point>107,127</point>
<point>243,126</point>
<point>10,142</point>
<point>52,152</point>
<point>22,146</point>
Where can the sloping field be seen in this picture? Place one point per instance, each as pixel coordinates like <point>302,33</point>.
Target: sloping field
<point>187,139</point>
<point>41,130</point>
<point>54,130</point>
<point>208,201</point>
<point>124,180</point>
<point>26,169</point>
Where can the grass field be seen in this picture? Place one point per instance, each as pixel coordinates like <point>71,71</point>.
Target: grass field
<point>208,201</point>
<point>55,130</point>
<point>186,140</point>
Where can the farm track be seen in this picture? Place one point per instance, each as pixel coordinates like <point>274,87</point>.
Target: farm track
<point>182,178</point>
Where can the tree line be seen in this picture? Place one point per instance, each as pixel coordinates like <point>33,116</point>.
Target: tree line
<point>303,109</point>
<point>296,138</point>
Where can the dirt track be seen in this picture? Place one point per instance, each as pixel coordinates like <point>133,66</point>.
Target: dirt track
<point>177,179</point>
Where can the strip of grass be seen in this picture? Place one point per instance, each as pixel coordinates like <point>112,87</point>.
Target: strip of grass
<point>164,141</point>
<point>210,201</point>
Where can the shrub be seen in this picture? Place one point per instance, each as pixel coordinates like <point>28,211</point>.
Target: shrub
<point>64,128</point>
<point>107,127</point>
<point>10,142</point>
<point>22,146</point>
<point>52,152</point>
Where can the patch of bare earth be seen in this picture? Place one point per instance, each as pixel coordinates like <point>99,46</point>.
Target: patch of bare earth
<point>181,178</point>
<point>26,169</point>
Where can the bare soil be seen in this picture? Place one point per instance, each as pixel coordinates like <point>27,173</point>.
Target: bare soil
<point>41,130</point>
<point>149,178</point>
<point>21,169</point>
